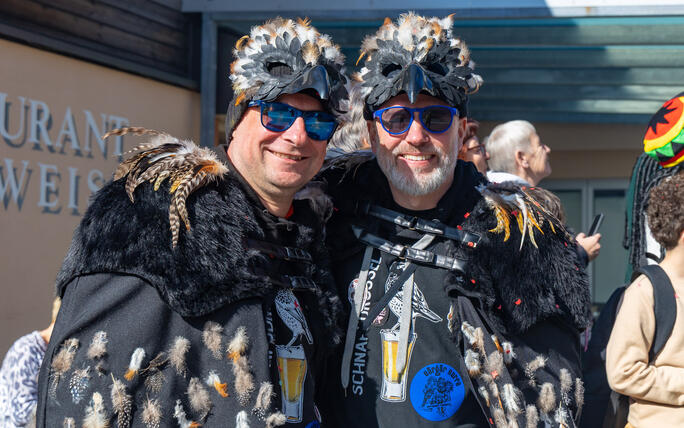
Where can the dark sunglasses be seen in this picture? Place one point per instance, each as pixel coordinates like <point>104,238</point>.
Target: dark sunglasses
<point>397,120</point>
<point>278,117</point>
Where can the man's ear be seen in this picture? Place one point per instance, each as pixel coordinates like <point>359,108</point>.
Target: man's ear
<point>372,135</point>
<point>462,126</point>
<point>521,159</point>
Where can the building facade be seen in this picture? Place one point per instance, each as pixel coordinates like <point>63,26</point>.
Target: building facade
<point>71,71</point>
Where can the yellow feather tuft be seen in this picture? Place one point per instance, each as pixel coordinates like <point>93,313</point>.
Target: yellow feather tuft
<point>429,43</point>
<point>304,22</point>
<point>360,57</point>
<point>130,374</point>
<point>521,221</point>
<point>241,42</point>
<point>436,29</point>
<point>175,184</point>
<point>240,98</point>
<point>221,388</point>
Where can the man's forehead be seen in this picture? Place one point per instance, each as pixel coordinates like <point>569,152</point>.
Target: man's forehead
<point>301,100</point>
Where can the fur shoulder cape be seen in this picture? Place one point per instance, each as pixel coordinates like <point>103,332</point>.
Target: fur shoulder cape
<point>525,268</point>
<point>126,231</point>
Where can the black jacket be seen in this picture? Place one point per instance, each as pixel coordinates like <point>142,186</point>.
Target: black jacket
<point>184,307</point>
<point>534,298</point>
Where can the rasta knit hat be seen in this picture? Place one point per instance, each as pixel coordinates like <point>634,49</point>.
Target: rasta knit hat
<point>664,139</point>
<point>284,56</point>
<point>415,55</point>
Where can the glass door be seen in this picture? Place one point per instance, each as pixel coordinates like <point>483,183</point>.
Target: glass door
<point>582,200</point>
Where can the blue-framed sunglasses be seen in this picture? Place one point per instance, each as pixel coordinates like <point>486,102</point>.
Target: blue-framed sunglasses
<point>278,117</point>
<point>397,120</point>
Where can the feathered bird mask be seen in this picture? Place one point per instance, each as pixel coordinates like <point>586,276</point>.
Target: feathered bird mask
<point>416,54</point>
<point>285,57</point>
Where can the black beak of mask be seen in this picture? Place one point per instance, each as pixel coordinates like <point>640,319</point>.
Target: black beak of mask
<point>316,78</point>
<point>414,80</point>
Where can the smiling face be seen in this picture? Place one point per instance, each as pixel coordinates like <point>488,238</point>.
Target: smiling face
<point>417,162</point>
<point>277,163</point>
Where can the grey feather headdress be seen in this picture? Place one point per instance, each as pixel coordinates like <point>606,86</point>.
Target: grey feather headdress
<point>413,55</point>
<point>284,56</point>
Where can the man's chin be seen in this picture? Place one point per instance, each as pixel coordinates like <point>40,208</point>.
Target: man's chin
<point>416,185</point>
<point>289,181</point>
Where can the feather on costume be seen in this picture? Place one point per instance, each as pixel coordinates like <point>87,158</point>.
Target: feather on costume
<point>413,55</point>
<point>284,56</point>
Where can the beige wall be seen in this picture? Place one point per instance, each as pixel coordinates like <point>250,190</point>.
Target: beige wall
<point>588,150</point>
<point>57,160</point>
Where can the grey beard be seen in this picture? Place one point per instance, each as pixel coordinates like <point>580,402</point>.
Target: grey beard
<point>416,185</point>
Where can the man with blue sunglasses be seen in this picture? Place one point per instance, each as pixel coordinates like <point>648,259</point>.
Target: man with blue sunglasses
<point>197,290</point>
<point>464,301</point>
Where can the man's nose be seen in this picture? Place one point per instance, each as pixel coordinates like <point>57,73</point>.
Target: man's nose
<point>416,133</point>
<point>296,134</point>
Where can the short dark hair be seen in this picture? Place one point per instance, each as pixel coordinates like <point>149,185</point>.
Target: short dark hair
<point>666,210</point>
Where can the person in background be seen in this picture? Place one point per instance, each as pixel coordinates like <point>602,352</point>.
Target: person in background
<point>473,150</point>
<point>516,153</point>
<point>656,389</point>
<point>663,157</point>
<point>352,134</point>
<point>19,376</point>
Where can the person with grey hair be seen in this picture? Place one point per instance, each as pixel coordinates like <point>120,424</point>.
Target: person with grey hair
<point>352,135</point>
<point>516,153</point>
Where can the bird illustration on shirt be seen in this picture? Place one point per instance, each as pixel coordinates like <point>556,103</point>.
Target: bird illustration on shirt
<point>290,312</point>
<point>419,304</point>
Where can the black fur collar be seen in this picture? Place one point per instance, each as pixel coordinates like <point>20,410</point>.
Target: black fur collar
<point>209,267</point>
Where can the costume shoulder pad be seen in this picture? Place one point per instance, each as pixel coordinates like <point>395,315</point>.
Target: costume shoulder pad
<point>186,166</point>
<point>528,265</point>
<point>344,166</point>
<point>509,200</point>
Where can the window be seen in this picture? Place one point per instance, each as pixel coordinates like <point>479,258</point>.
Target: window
<point>582,200</point>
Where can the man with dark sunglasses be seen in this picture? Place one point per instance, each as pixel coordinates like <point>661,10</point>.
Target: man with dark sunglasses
<point>464,301</point>
<point>197,291</point>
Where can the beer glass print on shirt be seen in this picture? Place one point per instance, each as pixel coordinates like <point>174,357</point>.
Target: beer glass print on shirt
<point>292,365</point>
<point>292,371</point>
<point>394,382</point>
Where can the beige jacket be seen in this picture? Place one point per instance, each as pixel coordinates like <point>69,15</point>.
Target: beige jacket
<point>656,390</point>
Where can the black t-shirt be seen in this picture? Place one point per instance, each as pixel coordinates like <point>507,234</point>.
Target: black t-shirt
<point>434,389</point>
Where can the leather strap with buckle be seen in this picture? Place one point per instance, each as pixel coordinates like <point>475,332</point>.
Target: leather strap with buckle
<point>416,223</point>
<point>425,257</point>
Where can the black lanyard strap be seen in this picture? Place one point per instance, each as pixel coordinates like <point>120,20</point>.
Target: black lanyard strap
<point>413,254</point>
<point>391,292</point>
<point>416,223</point>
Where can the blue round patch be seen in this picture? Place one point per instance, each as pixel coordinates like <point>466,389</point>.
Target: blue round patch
<point>437,392</point>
